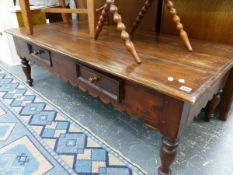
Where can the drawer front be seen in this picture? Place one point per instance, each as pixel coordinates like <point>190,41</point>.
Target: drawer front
<point>103,83</point>
<point>41,54</point>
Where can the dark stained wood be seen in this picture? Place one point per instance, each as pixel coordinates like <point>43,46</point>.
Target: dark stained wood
<point>159,15</point>
<point>65,67</point>
<point>212,105</point>
<point>141,15</point>
<point>27,70</point>
<point>129,14</point>
<point>145,90</point>
<point>41,54</point>
<point>167,154</point>
<point>106,84</point>
<point>227,97</point>
<point>172,124</point>
<point>199,69</point>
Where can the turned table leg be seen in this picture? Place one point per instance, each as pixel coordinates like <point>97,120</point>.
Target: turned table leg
<point>167,155</point>
<point>212,105</point>
<point>27,70</point>
<point>227,97</point>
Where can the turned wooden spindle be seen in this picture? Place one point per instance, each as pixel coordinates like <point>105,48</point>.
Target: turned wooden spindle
<point>124,34</point>
<point>102,18</point>
<point>167,154</point>
<point>179,25</point>
<point>109,5</point>
<point>27,70</point>
<point>141,15</point>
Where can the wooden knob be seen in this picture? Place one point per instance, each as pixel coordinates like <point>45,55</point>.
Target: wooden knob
<point>173,11</point>
<point>180,26</point>
<point>170,4</point>
<point>117,18</point>
<point>113,8</point>
<point>110,1</point>
<point>176,19</point>
<point>124,35</point>
<point>93,79</point>
<point>121,26</point>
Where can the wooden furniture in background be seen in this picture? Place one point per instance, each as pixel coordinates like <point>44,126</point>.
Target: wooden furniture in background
<point>37,17</point>
<point>175,17</point>
<point>166,92</point>
<point>26,13</point>
<point>65,16</point>
<point>90,11</point>
<point>110,6</point>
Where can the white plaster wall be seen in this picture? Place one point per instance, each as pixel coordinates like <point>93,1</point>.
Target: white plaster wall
<point>7,20</point>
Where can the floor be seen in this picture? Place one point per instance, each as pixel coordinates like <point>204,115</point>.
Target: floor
<point>204,148</point>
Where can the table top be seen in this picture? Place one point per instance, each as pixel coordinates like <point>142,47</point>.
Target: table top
<point>164,58</point>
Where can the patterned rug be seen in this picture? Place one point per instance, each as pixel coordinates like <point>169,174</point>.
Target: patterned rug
<point>36,138</point>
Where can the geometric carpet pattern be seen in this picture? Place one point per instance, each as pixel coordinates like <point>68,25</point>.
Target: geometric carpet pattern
<point>36,137</point>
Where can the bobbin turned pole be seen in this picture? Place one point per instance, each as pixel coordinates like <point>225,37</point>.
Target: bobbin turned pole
<point>141,15</point>
<point>110,6</point>
<point>101,21</point>
<point>179,25</point>
<point>176,19</point>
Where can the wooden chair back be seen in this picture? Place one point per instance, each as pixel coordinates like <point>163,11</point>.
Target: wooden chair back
<point>90,11</point>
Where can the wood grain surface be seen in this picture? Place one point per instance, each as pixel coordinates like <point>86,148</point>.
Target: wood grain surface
<point>163,56</point>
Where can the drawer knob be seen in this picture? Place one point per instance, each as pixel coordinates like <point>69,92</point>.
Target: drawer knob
<point>93,79</point>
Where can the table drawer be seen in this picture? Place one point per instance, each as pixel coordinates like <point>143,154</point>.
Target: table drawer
<point>103,83</point>
<point>41,54</point>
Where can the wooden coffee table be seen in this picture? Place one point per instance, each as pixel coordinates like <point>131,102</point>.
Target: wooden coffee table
<point>166,91</point>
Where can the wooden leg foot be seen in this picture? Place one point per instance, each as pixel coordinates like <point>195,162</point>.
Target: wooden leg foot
<point>212,105</point>
<point>167,155</point>
<point>27,70</point>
